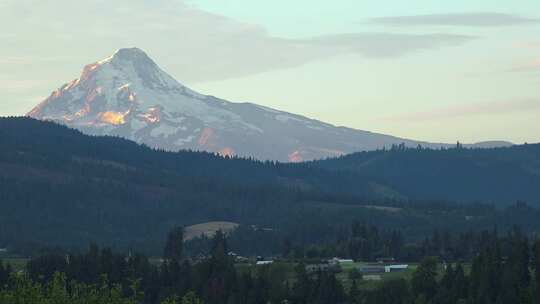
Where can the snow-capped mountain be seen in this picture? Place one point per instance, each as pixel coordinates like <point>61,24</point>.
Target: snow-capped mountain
<point>128,95</point>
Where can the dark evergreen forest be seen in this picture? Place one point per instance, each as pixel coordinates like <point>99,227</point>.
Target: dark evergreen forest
<point>60,188</point>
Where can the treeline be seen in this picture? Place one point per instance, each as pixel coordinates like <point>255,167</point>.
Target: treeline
<point>5,272</point>
<point>368,243</point>
<point>59,290</point>
<point>133,279</point>
<point>505,270</point>
<point>360,241</point>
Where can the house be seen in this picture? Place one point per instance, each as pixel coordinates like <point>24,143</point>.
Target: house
<point>259,263</point>
<point>3,250</point>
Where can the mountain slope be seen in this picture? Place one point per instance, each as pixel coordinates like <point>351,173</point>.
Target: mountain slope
<point>128,95</point>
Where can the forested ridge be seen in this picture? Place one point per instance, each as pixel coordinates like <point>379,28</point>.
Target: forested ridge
<point>61,188</point>
<point>499,175</point>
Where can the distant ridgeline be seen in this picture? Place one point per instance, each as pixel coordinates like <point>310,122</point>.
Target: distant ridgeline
<point>498,175</point>
<point>59,187</point>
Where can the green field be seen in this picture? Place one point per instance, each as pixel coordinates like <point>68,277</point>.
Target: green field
<point>343,276</point>
<point>18,264</point>
<point>347,268</point>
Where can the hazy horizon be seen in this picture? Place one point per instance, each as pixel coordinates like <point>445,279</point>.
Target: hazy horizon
<point>424,71</point>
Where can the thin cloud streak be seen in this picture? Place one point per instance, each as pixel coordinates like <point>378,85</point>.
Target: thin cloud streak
<point>531,67</point>
<point>473,109</point>
<point>463,19</point>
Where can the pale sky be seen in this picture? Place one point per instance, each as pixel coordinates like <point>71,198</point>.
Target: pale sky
<point>429,70</point>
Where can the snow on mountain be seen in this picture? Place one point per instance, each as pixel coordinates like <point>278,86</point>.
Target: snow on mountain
<point>128,95</point>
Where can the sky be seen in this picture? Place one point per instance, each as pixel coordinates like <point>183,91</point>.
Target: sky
<point>440,71</point>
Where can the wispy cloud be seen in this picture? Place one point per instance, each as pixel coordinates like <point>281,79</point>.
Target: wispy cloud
<point>196,45</point>
<point>463,19</point>
<point>528,45</point>
<point>391,45</point>
<point>472,109</point>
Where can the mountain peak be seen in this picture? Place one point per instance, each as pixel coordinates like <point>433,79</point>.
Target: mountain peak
<point>130,54</point>
<point>131,64</point>
<point>130,96</point>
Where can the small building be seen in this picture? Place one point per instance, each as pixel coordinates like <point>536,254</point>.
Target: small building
<point>339,261</point>
<point>373,269</point>
<point>3,250</point>
<point>260,263</point>
<point>396,268</point>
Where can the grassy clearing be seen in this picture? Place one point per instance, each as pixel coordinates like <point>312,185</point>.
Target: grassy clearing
<point>208,229</point>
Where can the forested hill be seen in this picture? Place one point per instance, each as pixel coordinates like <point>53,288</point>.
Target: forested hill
<point>49,146</point>
<point>500,175</point>
<point>59,187</point>
<point>64,188</point>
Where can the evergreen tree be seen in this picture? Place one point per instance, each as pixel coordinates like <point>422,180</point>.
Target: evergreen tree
<point>424,280</point>
<point>4,274</point>
<point>536,260</point>
<point>302,286</point>
<point>354,293</point>
<point>391,292</point>
<point>219,272</point>
<point>460,288</point>
<point>175,244</point>
<point>191,298</point>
